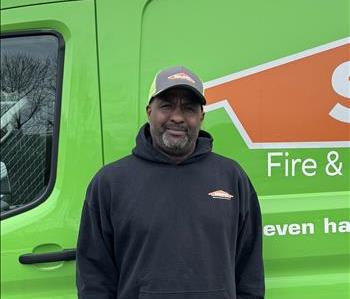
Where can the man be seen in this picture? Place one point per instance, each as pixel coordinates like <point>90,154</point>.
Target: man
<point>173,220</point>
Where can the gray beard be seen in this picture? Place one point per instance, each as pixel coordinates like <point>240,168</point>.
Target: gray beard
<point>179,148</point>
<point>176,148</point>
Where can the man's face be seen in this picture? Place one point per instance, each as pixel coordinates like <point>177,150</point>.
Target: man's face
<point>175,119</point>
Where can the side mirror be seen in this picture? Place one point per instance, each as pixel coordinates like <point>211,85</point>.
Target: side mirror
<point>5,188</point>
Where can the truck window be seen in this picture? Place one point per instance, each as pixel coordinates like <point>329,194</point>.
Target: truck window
<point>28,100</point>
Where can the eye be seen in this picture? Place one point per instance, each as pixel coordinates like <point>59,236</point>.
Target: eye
<point>191,108</point>
<point>165,106</point>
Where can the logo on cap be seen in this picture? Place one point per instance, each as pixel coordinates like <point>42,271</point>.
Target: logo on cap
<point>182,76</point>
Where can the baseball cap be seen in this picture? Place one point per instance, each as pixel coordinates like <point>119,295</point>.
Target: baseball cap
<point>177,76</point>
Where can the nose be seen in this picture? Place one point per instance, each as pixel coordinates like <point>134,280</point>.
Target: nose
<point>177,115</point>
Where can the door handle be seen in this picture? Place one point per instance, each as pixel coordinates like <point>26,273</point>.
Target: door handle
<point>35,258</point>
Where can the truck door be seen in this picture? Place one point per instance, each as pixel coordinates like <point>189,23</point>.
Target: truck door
<point>50,142</point>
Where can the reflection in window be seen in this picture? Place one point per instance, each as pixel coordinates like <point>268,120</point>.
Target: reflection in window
<point>27,99</point>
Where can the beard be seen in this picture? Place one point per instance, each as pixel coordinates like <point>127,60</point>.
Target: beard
<point>174,146</point>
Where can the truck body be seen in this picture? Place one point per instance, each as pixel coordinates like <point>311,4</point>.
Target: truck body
<point>276,76</point>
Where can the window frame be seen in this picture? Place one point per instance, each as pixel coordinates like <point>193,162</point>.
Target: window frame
<point>57,106</point>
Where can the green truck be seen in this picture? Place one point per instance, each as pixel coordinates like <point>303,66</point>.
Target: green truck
<point>74,85</point>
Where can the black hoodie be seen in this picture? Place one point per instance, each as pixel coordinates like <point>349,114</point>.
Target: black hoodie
<point>154,229</point>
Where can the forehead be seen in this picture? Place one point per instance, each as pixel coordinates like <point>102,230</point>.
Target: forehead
<point>176,94</point>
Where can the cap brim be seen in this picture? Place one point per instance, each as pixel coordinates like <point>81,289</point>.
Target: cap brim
<point>199,96</point>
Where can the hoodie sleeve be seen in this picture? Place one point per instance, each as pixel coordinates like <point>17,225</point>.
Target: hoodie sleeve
<point>249,261</point>
<point>97,274</point>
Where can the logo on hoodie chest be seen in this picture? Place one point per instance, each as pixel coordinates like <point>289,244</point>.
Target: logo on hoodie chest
<point>220,194</point>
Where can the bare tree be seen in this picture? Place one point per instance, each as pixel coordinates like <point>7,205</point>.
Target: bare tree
<point>31,82</point>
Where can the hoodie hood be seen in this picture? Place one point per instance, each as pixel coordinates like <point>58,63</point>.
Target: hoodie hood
<point>145,150</point>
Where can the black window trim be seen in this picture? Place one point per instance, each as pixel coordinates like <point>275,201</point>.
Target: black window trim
<point>55,136</point>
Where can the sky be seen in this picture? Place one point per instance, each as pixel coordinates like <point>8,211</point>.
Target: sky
<point>39,46</point>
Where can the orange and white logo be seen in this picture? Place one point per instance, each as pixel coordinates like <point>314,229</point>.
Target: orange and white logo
<point>182,76</point>
<point>299,101</point>
<point>220,194</point>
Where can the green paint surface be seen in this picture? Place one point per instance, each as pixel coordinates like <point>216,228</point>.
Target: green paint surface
<point>109,66</point>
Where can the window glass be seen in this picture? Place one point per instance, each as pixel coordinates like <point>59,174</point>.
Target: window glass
<point>27,99</point>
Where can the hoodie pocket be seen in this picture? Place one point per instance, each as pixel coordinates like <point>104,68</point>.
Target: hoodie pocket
<point>209,294</point>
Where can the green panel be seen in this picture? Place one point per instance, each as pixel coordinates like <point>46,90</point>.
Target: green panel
<point>119,29</point>
<point>53,225</point>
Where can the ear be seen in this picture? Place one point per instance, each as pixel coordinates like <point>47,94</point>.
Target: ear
<point>148,110</point>
<point>202,116</point>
